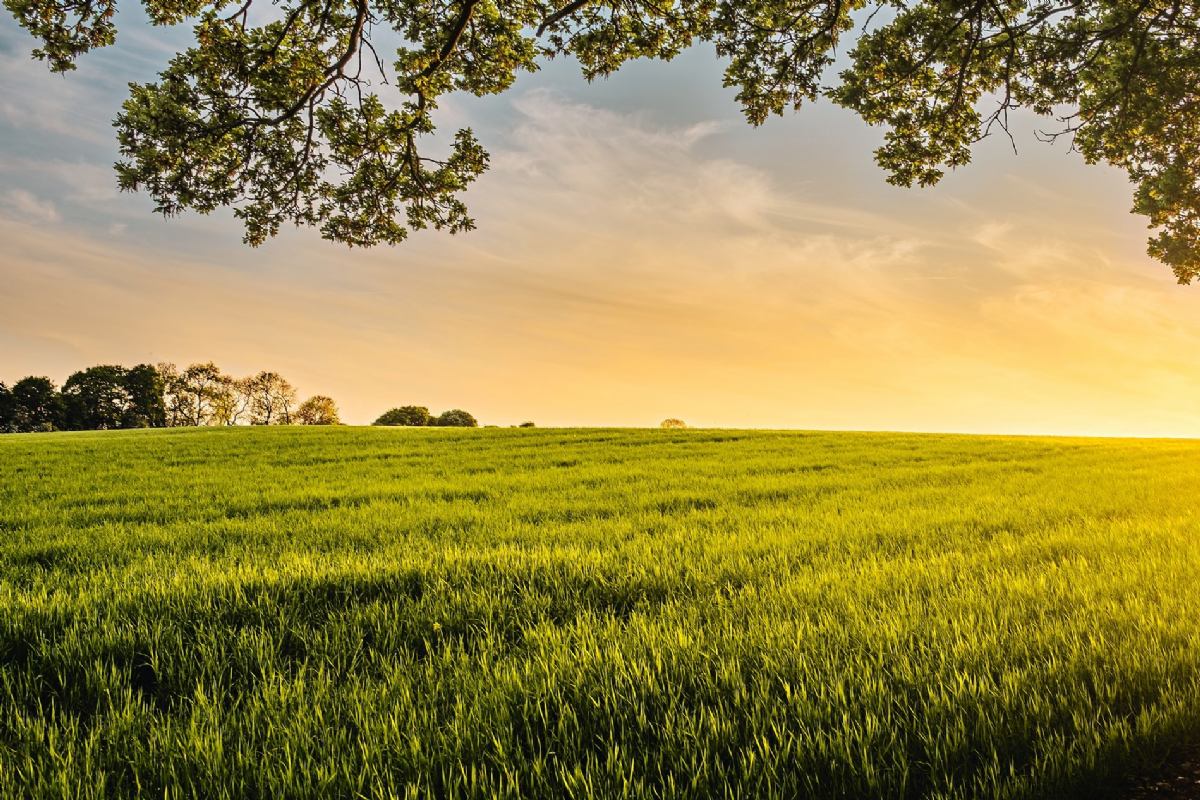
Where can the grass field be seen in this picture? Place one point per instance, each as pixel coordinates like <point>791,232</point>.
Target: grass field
<point>354,612</point>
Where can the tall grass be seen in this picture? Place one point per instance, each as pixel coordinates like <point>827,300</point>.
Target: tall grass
<point>592,614</point>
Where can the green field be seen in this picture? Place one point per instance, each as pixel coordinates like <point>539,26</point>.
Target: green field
<point>349,612</point>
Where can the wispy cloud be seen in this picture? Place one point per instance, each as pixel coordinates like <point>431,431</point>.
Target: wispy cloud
<point>80,181</point>
<point>23,205</point>
<point>629,267</point>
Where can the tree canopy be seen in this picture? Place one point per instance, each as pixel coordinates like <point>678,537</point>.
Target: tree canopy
<point>273,110</point>
<point>144,386</point>
<point>419,417</point>
<point>7,409</point>
<point>110,396</point>
<point>271,399</point>
<point>35,405</point>
<point>157,396</point>
<point>318,410</point>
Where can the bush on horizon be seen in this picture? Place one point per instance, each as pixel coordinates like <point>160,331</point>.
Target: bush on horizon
<point>456,418</point>
<point>407,416</point>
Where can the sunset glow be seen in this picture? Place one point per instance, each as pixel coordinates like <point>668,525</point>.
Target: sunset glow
<point>641,253</point>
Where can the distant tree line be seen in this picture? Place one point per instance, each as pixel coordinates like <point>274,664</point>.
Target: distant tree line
<point>419,417</point>
<point>157,396</point>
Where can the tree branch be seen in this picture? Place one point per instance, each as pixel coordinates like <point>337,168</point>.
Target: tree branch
<point>561,14</point>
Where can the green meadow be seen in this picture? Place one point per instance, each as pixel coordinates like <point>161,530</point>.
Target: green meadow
<point>411,613</point>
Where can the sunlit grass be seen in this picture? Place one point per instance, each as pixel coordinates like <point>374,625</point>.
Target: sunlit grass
<point>539,613</point>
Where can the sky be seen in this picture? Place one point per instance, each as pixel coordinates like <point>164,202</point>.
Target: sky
<point>641,253</point>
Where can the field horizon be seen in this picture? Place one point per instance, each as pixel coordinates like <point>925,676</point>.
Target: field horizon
<point>491,428</point>
<point>358,611</point>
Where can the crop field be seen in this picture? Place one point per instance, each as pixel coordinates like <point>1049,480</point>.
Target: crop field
<point>350,612</point>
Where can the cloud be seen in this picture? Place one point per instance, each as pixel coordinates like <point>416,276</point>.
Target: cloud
<point>79,181</point>
<point>993,235</point>
<point>656,173</point>
<point>23,205</point>
<point>35,100</point>
<point>628,268</point>
<point>79,106</point>
<point>592,184</point>
<point>1003,317</point>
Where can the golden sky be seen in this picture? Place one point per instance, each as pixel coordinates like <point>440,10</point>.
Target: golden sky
<point>642,253</point>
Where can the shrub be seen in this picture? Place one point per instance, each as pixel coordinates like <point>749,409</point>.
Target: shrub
<point>456,418</point>
<point>672,423</point>
<point>411,416</point>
